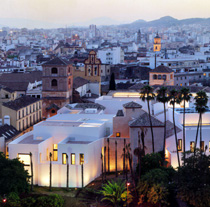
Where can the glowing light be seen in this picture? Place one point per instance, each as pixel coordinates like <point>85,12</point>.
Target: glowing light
<point>128,184</point>
<point>126,94</point>
<point>4,200</point>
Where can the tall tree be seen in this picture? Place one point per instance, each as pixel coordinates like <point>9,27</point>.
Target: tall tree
<point>201,100</point>
<point>116,159</point>
<point>112,84</point>
<point>163,98</point>
<point>50,188</point>
<point>185,96</point>
<point>146,94</point>
<point>32,173</point>
<point>108,156</point>
<point>174,98</point>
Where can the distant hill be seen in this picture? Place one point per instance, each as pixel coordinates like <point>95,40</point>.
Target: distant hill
<point>166,21</point>
<point>27,23</point>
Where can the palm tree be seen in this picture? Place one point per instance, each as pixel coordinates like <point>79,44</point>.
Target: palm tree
<point>147,94</point>
<point>102,170</point>
<point>174,98</point>
<point>32,174</point>
<point>185,96</point>
<point>50,188</point>
<point>163,98</point>
<point>116,193</point>
<point>201,100</point>
<point>108,156</point>
<point>105,163</point>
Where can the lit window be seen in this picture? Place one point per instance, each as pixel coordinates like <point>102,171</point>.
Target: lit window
<point>204,74</point>
<point>209,146</point>
<point>180,84</point>
<point>73,158</point>
<point>81,158</point>
<point>24,158</point>
<point>192,145</point>
<point>179,144</point>
<point>202,145</point>
<point>40,157</point>
<point>118,134</point>
<point>55,152</point>
<point>64,158</point>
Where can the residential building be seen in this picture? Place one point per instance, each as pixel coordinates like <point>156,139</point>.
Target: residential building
<point>161,76</point>
<point>23,112</point>
<point>112,56</point>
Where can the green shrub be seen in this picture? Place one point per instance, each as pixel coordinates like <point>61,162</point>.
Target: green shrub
<point>28,202</point>
<point>50,201</point>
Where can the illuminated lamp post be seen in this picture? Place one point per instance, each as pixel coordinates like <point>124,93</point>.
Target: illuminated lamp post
<point>156,45</point>
<point>4,200</point>
<point>127,184</point>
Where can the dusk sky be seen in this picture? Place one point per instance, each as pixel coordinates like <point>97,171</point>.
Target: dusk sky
<point>72,11</point>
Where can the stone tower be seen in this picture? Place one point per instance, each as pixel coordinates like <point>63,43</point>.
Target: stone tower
<point>57,84</point>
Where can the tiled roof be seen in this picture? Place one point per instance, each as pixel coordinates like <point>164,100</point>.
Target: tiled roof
<point>89,105</point>
<point>8,132</point>
<point>132,104</point>
<point>6,88</point>
<point>143,120</point>
<point>20,81</point>
<point>120,113</point>
<point>137,86</point>
<point>57,61</point>
<point>161,69</point>
<point>20,102</point>
<point>78,82</point>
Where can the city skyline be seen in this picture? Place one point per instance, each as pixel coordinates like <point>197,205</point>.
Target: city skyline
<point>68,13</point>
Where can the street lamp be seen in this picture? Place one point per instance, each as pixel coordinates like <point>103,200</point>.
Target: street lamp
<point>4,199</point>
<point>128,184</point>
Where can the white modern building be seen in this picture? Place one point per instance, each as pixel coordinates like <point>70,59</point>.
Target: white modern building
<point>77,133</point>
<point>114,55</point>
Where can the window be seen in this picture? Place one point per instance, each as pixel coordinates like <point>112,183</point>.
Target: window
<point>192,145</point>
<point>23,113</point>
<point>38,96</point>
<point>159,77</point>
<point>164,77</point>
<point>54,70</point>
<point>24,158</point>
<point>73,158</point>
<point>154,77</point>
<point>179,144</point>
<point>54,82</point>
<point>209,146</point>
<point>118,134</point>
<point>40,157</point>
<point>81,159</point>
<point>19,126</point>
<point>55,152</point>
<point>19,114</point>
<point>6,96</point>
<point>171,76</point>
<point>95,71</point>
<point>64,160</point>
<point>202,146</point>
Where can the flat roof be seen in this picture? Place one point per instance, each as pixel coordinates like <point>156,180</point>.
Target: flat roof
<point>30,140</point>
<point>78,142</point>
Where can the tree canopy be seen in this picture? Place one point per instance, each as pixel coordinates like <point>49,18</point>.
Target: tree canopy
<point>13,176</point>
